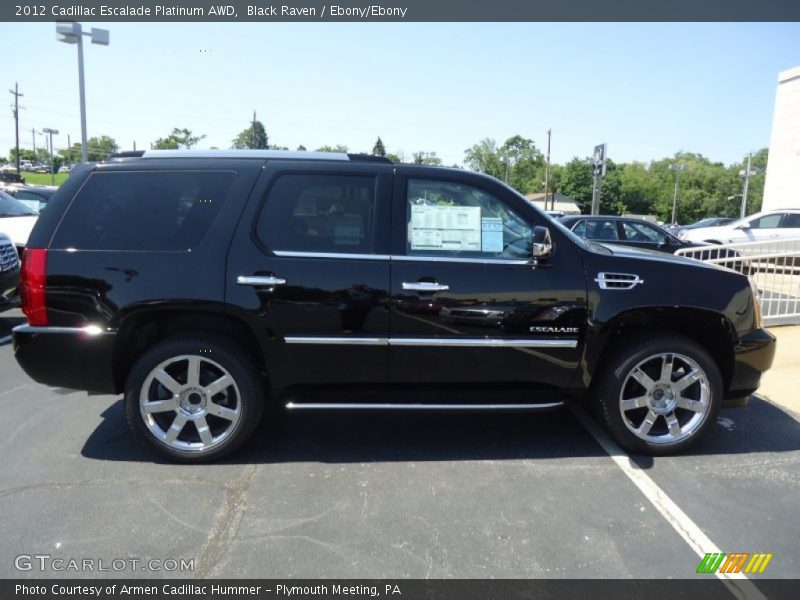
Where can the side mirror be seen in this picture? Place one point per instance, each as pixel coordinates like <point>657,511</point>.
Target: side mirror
<point>743,226</point>
<point>541,243</point>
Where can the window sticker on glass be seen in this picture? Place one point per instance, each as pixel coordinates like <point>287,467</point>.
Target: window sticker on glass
<point>492,234</point>
<point>446,228</point>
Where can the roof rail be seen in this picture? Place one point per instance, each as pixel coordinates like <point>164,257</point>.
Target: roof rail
<point>127,154</point>
<point>262,154</point>
<point>368,158</point>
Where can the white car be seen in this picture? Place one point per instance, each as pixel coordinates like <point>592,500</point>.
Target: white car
<point>771,225</point>
<point>16,220</point>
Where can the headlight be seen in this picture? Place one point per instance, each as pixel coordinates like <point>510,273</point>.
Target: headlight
<point>756,302</point>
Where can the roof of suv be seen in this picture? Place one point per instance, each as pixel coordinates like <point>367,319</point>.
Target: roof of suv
<point>257,154</point>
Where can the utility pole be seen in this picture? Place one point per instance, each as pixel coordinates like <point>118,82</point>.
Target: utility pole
<point>33,136</point>
<point>747,174</point>
<point>678,169</point>
<point>253,143</point>
<point>547,176</point>
<point>69,150</point>
<point>16,93</point>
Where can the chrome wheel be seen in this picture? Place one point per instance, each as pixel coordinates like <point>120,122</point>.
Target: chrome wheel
<point>665,398</point>
<point>190,403</point>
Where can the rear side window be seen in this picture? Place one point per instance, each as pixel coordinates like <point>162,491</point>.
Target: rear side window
<point>157,210</point>
<point>601,230</point>
<point>319,213</point>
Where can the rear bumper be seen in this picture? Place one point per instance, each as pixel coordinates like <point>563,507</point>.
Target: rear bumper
<point>753,355</point>
<point>78,358</point>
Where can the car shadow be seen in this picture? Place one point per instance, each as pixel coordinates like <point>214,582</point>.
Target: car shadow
<point>7,323</point>
<point>362,437</point>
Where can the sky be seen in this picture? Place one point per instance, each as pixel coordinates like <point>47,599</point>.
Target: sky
<point>647,90</point>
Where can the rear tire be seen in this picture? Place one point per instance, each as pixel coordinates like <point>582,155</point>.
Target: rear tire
<point>194,398</point>
<point>659,394</point>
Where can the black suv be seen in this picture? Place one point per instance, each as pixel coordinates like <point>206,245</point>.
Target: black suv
<point>208,286</point>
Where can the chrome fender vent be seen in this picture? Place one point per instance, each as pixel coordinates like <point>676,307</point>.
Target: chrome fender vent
<point>617,281</point>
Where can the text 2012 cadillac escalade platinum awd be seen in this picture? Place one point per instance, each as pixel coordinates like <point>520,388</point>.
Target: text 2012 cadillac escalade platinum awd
<point>208,286</point>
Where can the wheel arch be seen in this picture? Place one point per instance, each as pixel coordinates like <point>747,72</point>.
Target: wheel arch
<point>142,329</point>
<point>710,329</point>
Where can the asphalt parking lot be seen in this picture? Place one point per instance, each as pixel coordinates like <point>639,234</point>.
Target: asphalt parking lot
<point>378,495</point>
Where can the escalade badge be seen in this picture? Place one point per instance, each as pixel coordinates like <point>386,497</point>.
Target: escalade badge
<point>551,329</point>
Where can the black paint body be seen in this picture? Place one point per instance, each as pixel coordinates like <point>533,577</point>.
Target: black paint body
<point>137,298</point>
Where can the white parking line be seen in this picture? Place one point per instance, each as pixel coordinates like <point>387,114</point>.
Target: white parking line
<point>737,583</point>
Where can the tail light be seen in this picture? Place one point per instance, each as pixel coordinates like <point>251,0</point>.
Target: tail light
<point>33,277</point>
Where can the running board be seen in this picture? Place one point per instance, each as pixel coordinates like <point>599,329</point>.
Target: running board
<point>423,406</point>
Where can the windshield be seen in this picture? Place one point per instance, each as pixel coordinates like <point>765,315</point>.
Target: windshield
<point>11,207</point>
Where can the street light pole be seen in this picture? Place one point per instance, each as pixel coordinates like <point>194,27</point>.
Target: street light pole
<point>51,132</point>
<point>72,33</point>
<point>747,174</point>
<point>675,196</point>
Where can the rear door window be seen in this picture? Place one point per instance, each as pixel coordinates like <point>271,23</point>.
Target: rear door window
<point>156,210</point>
<point>319,213</point>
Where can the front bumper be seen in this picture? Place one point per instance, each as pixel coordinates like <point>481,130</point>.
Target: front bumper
<point>80,358</point>
<point>9,281</point>
<point>753,355</point>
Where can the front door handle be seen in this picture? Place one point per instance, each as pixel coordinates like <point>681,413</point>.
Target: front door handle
<point>425,286</point>
<point>260,280</point>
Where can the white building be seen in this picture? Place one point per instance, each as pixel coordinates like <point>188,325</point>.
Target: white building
<point>782,186</point>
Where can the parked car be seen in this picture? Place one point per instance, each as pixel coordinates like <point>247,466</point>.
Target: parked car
<point>16,220</point>
<point>624,231</point>
<point>65,169</point>
<point>772,225</point>
<point>34,196</point>
<point>637,233</point>
<point>211,286</point>
<point>11,178</point>
<point>9,273</point>
<point>707,222</point>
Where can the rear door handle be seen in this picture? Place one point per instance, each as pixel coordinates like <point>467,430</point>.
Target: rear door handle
<point>260,280</point>
<point>425,286</point>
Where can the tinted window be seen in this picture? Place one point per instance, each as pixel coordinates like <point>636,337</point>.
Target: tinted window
<point>31,200</point>
<point>11,207</point>
<point>601,229</point>
<point>456,219</point>
<point>642,232</point>
<point>766,222</point>
<point>791,220</point>
<point>319,213</point>
<point>161,210</point>
<point>580,229</point>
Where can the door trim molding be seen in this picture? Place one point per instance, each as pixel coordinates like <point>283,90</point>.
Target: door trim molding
<point>435,342</point>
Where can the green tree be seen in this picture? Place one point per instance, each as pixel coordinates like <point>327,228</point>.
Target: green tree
<point>426,158</point>
<point>526,164</point>
<point>576,182</point>
<point>301,148</point>
<point>378,149</point>
<point>253,137</point>
<point>178,139</point>
<point>341,148</point>
<point>485,158</point>
<point>97,149</point>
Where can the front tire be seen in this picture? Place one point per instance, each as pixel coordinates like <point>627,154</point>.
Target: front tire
<point>659,394</point>
<point>194,398</point>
